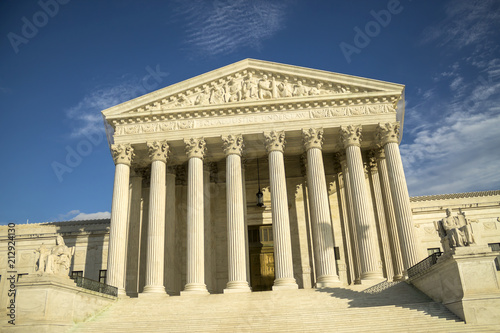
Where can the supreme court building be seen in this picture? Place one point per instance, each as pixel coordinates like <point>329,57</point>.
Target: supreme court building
<point>260,176</point>
<point>320,148</point>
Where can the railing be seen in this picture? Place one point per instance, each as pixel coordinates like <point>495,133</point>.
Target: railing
<point>95,286</point>
<point>423,265</point>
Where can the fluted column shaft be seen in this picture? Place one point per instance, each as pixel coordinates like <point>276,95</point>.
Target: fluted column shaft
<point>134,234</point>
<point>351,218</point>
<point>195,279</point>
<point>235,216</point>
<point>382,225</point>
<point>170,213</point>
<point>156,220</point>
<point>388,135</point>
<point>365,221</point>
<point>390,216</point>
<point>283,261</point>
<point>320,211</point>
<point>122,155</point>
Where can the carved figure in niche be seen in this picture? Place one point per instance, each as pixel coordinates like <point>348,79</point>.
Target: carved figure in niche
<point>202,98</point>
<point>57,260</point>
<point>316,90</point>
<point>216,95</point>
<point>455,231</point>
<point>300,90</point>
<point>285,89</point>
<point>249,88</point>
<point>234,91</point>
<point>266,87</point>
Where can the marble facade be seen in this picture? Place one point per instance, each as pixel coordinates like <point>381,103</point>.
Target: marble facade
<point>189,159</point>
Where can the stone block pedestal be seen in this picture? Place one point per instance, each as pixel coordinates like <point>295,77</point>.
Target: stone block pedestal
<point>465,281</point>
<point>50,303</point>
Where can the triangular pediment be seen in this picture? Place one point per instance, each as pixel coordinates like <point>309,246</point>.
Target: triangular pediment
<point>254,82</point>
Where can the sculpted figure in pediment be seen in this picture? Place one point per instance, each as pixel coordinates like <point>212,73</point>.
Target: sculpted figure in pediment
<point>203,98</point>
<point>300,90</point>
<point>285,89</point>
<point>316,90</point>
<point>216,95</point>
<point>266,87</point>
<point>234,91</point>
<point>249,88</point>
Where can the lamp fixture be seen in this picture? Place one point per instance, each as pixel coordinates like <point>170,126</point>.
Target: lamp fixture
<point>260,195</point>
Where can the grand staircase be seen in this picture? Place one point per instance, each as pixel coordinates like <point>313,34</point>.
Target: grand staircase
<point>386,307</point>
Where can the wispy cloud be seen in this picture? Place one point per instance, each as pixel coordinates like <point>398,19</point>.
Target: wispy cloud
<point>92,216</point>
<point>86,115</point>
<point>466,22</point>
<point>223,26</point>
<point>455,142</point>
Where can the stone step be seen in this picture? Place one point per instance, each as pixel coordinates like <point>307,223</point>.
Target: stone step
<point>384,308</point>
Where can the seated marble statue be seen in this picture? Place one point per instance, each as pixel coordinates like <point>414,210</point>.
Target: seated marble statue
<point>455,231</point>
<point>57,260</point>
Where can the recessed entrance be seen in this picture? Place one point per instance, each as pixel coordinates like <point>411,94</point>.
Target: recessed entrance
<point>260,241</point>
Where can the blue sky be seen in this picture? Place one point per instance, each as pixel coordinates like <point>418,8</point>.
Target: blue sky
<point>63,61</point>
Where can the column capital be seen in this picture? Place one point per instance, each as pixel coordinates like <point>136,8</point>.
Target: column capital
<point>350,135</point>
<point>158,150</point>
<point>275,141</point>
<point>195,147</point>
<point>171,170</point>
<point>341,157</point>
<point>313,138</point>
<point>388,132</point>
<point>123,153</point>
<point>380,154</point>
<point>232,144</point>
<point>372,160</point>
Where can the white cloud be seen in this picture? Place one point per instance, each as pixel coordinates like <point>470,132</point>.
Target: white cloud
<point>223,26</point>
<point>86,115</point>
<point>466,23</point>
<point>92,216</point>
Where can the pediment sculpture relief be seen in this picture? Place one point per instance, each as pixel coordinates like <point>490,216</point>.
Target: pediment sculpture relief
<point>455,231</point>
<point>248,86</point>
<point>55,260</point>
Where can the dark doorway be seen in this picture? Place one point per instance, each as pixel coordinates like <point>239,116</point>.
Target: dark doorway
<point>260,241</point>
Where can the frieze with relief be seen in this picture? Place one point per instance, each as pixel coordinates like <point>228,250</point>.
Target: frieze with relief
<point>174,125</point>
<point>251,85</point>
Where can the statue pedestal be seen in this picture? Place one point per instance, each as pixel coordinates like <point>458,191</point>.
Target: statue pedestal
<point>465,280</point>
<point>51,303</point>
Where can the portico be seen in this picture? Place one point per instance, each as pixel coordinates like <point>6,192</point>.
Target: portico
<point>186,177</point>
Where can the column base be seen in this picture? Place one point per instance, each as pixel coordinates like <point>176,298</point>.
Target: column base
<point>154,290</point>
<point>195,289</point>
<point>398,277</point>
<point>237,287</point>
<point>285,284</point>
<point>328,281</point>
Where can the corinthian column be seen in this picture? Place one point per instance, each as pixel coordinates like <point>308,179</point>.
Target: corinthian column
<point>158,151</point>
<point>350,217</point>
<point>363,215</point>
<point>122,155</point>
<point>195,280</point>
<point>388,135</point>
<point>382,225</point>
<point>392,227</point>
<point>326,270</point>
<point>275,145</point>
<point>233,146</point>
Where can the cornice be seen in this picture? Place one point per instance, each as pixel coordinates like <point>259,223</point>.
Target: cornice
<point>454,196</point>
